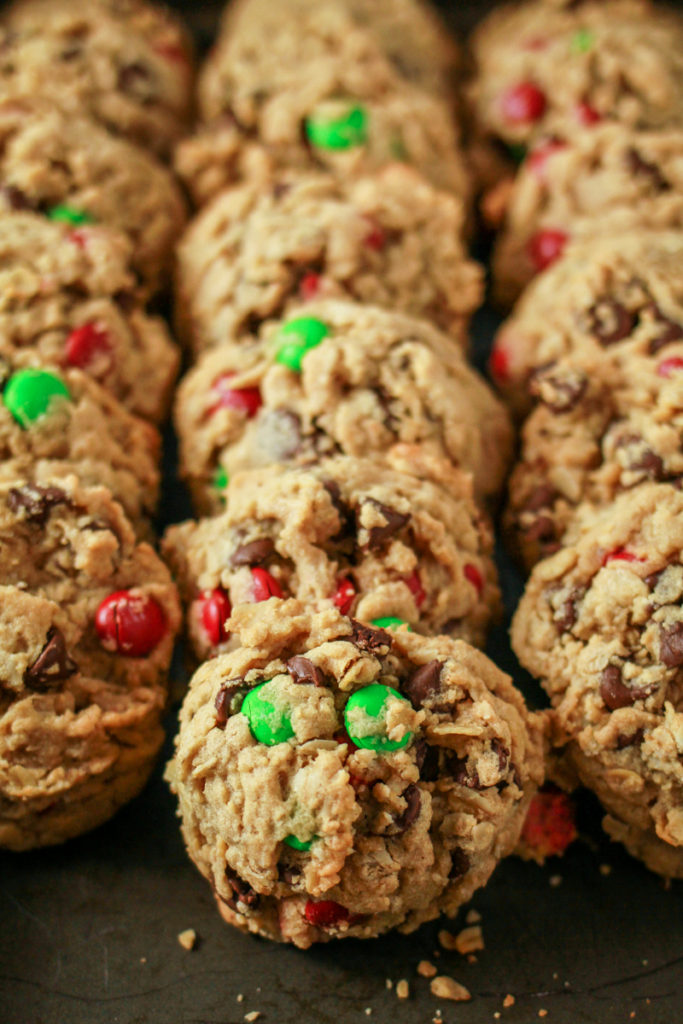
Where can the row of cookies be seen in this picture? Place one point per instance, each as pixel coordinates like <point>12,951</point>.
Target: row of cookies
<point>341,768</point>
<point>592,356</point>
<point>88,217</point>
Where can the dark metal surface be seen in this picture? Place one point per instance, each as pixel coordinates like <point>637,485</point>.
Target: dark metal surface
<point>89,931</point>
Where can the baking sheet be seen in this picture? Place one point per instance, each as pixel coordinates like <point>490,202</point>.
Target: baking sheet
<point>89,931</point>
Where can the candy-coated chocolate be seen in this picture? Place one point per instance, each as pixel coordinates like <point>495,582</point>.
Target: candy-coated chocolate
<point>545,247</point>
<point>130,624</point>
<point>269,725</point>
<point>29,394</point>
<point>214,611</point>
<point>390,622</point>
<point>220,479</point>
<point>297,337</point>
<point>69,215</point>
<point>246,400</point>
<point>325,913</point>
<point>371,702</point>
<point>344,595</point>
<point>85,344</point>
<point>298,844</point>
<point>264,585</point>
<point>523,103</point>
<point>338,133</point>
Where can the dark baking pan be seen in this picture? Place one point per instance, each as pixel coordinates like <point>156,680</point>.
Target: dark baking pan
<point>88,931</point>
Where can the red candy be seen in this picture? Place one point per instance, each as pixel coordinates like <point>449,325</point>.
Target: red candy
<point>586,115</point>
<point>309,286</point>
<point>214,610</point>
<point>475,577</point>
<point>545,247</point>
<point>325,913</point>
<point>130,624</point>
<point>414,584</point>
<point>264,585</point>
<point>620,555</point>
<point>499,363</point>
<point>535,43</point>
<point>669,366</point>
<point>539,156</point>
<point>79,238</point>
<point>549,827</point>
<point>172,52</point>
<point>344,595</point>
<point>247,400</point>
<point>376,238</point>
<point>85,344</point>
<point>523,103</point>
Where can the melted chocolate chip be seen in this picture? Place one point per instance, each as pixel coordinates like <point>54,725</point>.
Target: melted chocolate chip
<point>135,78</point>
<point>368,638</point>
<point>640,167</point>
<point>671,645</point>
<point>427,760</point>
<point>670,331</point>
<point>379,535</point>
<point>35,501</point>
<point>15,198</point>
<point>243,892</point>
<point>460,864</point>
<point>630,741</point>
<point>569,611</point>
<point>52,665</point>
<point>457,766</point>
<point>228,701</point>
<point>503,754</point>
<point>645,459</point>
<point>610,321</point>
<point>255,553</point>
<point>409,816</point>
<point>425,682</point>
<point>304,671</point>
<point>613,691</point>
<point>346,525</point>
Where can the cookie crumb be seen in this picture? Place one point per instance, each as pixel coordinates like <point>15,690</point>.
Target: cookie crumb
<point>469,940</point>
<point>240,997</point>
<point>402,989</point>
<point>473,916</point>
<point>425,969</point>
<point>368,1011</point>
<point>143,959</point>
<point>444,987</point>
<point>542,1013</point>
<point>508,1001</point>
<point>389,983</point>
<point>188,938</point>
<point>446,939</point>
<point>497,1015</point>
<point>252,1016</point>
<point>472,959</point>
<point>555,880</point>
<point>605,870</point>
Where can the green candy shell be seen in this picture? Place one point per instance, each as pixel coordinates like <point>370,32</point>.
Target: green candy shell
<point>298,844</point>
<point>69,215</point>
<point>29,395</point>
<point>220,479</point>
<point>338,133</point>
<point>269,724</point>
<point>582,41</point>
<point>391,622</point>
<point>296,338</point>
<point>371,701</point>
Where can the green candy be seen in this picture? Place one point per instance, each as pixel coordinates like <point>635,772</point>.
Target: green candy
<point>30,393</point>
<point>298,844</point>
<point>69,215</point>
<point>220,479</point>
<point>297,338</point>
<point>582,41</point>
<point>351,129</point>
<point>369,703</point>
<point>269,724</point>
<point>390,622</point>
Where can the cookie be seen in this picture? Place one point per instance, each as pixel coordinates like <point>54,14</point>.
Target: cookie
<point>390,239</point>
<point>607,300</point>
<point>544,70</point>
<point>599,182</point>
<point>408,32</point>
<point>336,377</point>
<point>68,299</point>
<point>338,780</point>
<point>62,422</point>
<point>127,65</point>
<point>398,539</point>
<point>69,168</point>
<point>601,626</point>
<point>593,435</point>
<point>87,623</point>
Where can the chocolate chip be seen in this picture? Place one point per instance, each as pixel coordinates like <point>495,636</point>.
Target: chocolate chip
<point>280,189</point>
<point>345,514</point>
<point>35,501</point>
<point>610,321</point>
<point>640,167</point>
<point>457,767</point>
<point>304,671</point>
<point>368,638</point>
<point>15,198</point>
<point>427,760</point>
<point>652,580</point>
<point>52,665</point>
<point>612,690</point>
<point>460,864</point>
<point>255,553</point>
<point>569,610</point>
<point>671,645</point>
<point>542,497</point>
<point>630,741</point>
<point>413,800</point>
<point>560,392</point>
<point>288,873</point>
<point>242,891</point>
<point>390,419</point>
<point>425,682</point>
<point>670,332</point>
<point>228,701</point>
<point>135,79</point>
<point>644,458</point>
<point>503,754</point>
<point>379,535</point>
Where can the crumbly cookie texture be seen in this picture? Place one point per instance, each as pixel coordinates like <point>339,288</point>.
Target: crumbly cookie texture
<point>339,780</point>
<point>606,301</point>
<point>390,239</point>
<point>68,298</point>
<point>336,377</point>
<point>408,32</point>
<point>610,177</point>
<point>593,434</point>
<point>601,625</point>
<point>398,538</point>
<point>63,422</point>
<point>68,166</point>
<point>87,623</point>
<point>545,69</point>
<point>127,65</point>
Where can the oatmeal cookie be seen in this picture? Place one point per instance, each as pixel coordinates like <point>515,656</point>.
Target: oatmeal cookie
<point>87,622</point>
<point>338,780</point>
<point>601,626</point>
<point>336,377</point>
<point>390,239</point>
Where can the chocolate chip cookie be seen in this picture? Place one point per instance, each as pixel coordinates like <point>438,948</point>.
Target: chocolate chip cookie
<point>338,780</point>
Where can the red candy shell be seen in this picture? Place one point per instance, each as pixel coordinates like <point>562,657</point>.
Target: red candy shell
<point>264,585</point>
<point>414,585</point>
<point>130,624</point>
<point>246,400</point>
<point>325,913</point>
<point>545,247</point>
<point>85,344</point>
<point>475,577</point>
<point>523,103</point>
<point>344,595</point>
<point>214,611</point>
